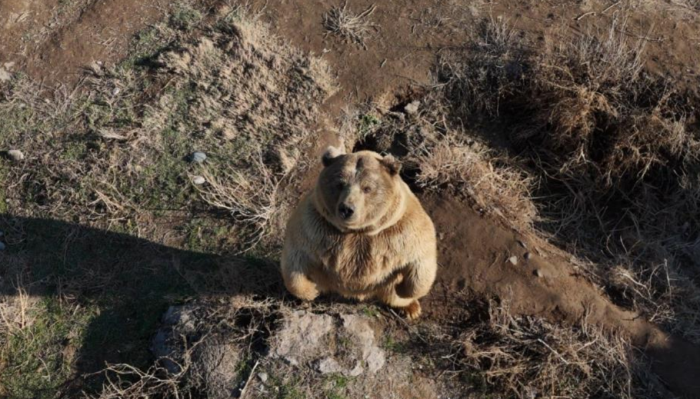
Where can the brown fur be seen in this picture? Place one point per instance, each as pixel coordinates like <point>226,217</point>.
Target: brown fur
<point>385,250</point>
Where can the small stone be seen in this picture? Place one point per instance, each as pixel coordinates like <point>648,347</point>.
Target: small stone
<point>538,273</point>
<point>263,377</point>
<point>291,361</point>
<point>522,244</point>
<point>198,157</point>
<point>96,68</point>
<point>357,370</point>
<point>15,155</point>
<point>527,256</point>
<point>199,180</point>
<point>513,260</point>
<point>5,76</point>
<point>328,365</point>
<point>412,107</point>
<point>116,91</point>
<point>2,246</point>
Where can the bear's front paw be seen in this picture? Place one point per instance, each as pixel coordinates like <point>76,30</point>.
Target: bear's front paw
<point>307,295</point>
<point>412,311</point>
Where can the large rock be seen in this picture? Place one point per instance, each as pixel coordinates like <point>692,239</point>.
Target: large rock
<point>319,341</point>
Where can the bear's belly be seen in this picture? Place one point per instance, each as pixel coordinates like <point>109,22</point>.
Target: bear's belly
<point>358,273</point>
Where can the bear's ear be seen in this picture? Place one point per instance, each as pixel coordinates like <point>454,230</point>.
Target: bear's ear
<point>391,164</point>
<point>330,155</point>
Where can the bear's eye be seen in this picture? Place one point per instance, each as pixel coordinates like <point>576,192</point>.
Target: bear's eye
<point>367,189</point>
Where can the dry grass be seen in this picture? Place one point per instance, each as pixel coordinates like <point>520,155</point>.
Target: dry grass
<point>525,357</point>
<point>616,150</point>
<point>492,184</point>
<point>128,382</point>
<point>350,26</point>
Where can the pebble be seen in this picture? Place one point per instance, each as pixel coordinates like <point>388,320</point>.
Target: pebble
<point>263,377</point>
<point>2,246</point>
<point>5,76</point>
<point>198,157</point>
<point>199,180</point>
<point>522,244</point>
<point>538,273</point>
<point>527,256</point>
<point>412,107</point>
<point>15,155</point>
<point>513,260</point>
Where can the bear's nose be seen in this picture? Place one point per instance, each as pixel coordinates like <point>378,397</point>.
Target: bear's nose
<point>345,211</point>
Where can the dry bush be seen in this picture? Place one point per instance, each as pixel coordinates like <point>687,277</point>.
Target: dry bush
<point>496,63</point>
<point>665,295</point>
<point>472,168</point>
<point>128,382</point>
<point>526,357</point>
<point>616,150</point>
<point>348,25</point>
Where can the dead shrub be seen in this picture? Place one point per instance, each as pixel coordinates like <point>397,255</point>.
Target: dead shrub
<point>350,26</point>
<point>526,357</point>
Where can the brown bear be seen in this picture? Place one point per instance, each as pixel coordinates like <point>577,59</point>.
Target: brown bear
<point>361,233</point>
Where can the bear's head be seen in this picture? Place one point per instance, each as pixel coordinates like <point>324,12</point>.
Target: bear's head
<point>358,191</point>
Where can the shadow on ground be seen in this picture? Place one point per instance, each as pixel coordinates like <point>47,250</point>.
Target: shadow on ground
<point>130,282</point>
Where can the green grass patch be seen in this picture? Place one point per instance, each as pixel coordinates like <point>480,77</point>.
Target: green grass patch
<point>37,359</point>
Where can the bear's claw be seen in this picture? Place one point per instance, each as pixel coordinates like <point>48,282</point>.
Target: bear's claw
<point>412,311</point>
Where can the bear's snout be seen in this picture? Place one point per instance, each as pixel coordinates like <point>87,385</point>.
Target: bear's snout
<point>346,211</point>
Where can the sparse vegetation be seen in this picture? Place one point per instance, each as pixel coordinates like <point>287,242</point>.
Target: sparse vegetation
<point>526,357</point>
<point>615,151</point>
<point>350,26</point>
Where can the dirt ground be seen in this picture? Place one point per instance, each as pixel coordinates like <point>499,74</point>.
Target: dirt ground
<point>55,41</point>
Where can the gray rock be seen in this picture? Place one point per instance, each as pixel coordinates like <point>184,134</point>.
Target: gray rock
<point>363,336</point>
<point>5,75</point>
<point>302,337</point>
<point>263,377</point>
<point>357,370</point>
<point>15,155</point>
<point>178,321</point>
<point>328,365</point>
<point>412,107</point>
<point>198,180</point>
<point>198,157</point>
